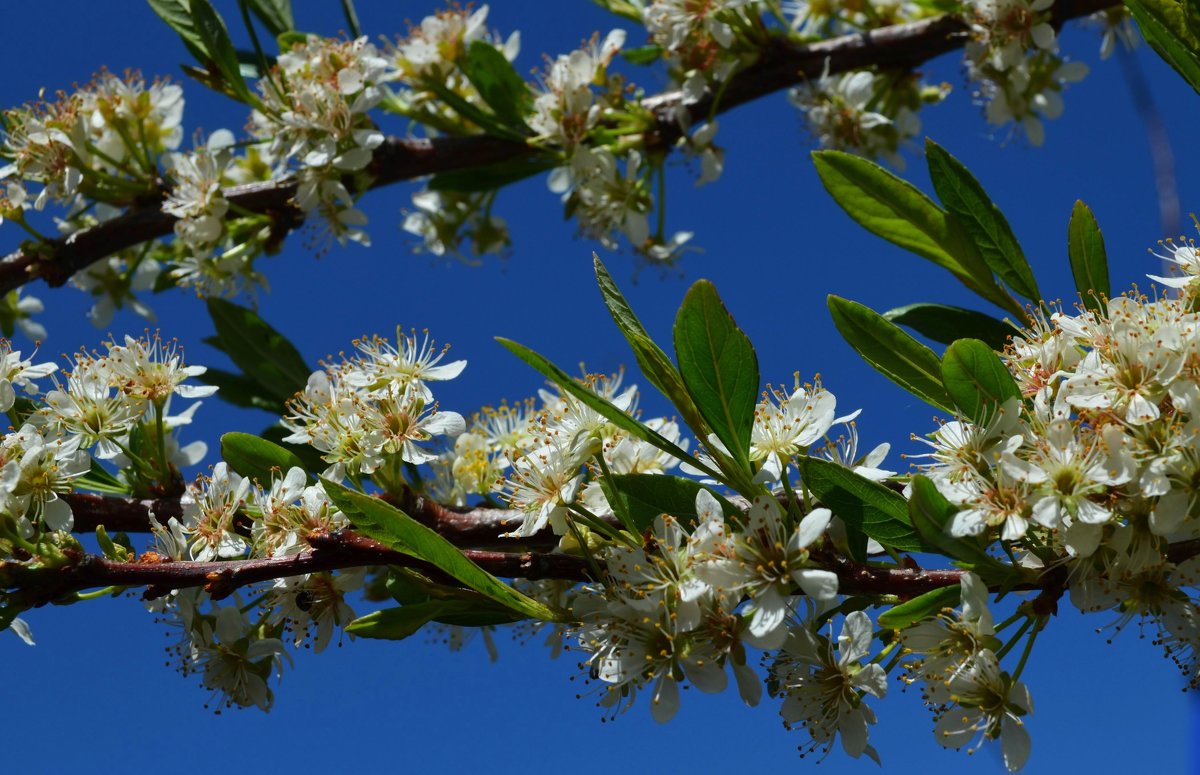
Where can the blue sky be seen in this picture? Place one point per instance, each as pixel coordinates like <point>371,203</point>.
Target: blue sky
<point>95,691</point>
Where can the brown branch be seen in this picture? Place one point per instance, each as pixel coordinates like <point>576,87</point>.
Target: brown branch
<point>478,528</point>
<point>784,64</point>
<point>346,549</point>
<point>330,551</point>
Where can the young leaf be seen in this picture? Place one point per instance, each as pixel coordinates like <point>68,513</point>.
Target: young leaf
<point>391,526</point>
<point>264,354</point>
<point>648,495</point>
<point>921,607</point>
<point>931,514</point>
<point>896,210</point>
<point>865,505</point>
<point>893,353</point>
<point>276,15</point>
<point>653,362</point>
<point>963,196</point>
<point>211,30</point>
<point>256,458</point>
<point>976,379</point>
<point>498,83</point>
<point>642,55</point>
<point>1164,26</point>
<point>945,324</point>
<point>476,115</point>
<point>1089,260</point>
<point>400,623</point>
<point>719,368</point>
<point>600,404</point>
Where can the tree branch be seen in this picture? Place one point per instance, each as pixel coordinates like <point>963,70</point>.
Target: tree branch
<point>346,549</point>
<point>784,64</point>
<point>330,551</point>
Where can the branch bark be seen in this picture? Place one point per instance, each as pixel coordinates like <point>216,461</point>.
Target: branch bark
<point>902,46</point>
<point>346,549</point>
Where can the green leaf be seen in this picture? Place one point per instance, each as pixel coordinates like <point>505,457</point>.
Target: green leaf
<point>400,623</point>
<point>276,15</point>
<point>178,16</point>
<point>862,504</point>
<point>719,368</point>
<point>596,402</point>
<point>921,607</point>
<point>256,458</point>
<point>1089,260</point>
<point>651,359</point>
<point>392,527</point>
<point>212,31</point>
<point>896,210</point>
<point>642,55</point>
<point>310,458</point>
<point>945,324</point>
<point>498,83</point>
<point>977,380</point>
<point>264,354</point>
<point>476,115</point>
<point>1165,27</point>
<point>240,390</point>
<point>963,196</point>
<point>648,495</point>
<point>893,353</point>
<point>491,177</point>
<point>931,515</point>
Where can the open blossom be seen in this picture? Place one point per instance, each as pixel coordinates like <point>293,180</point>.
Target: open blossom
<point>35,470</point>
<point>99,127</point>
<point>114,283</point>
<point>947,644</point>
<point>375,407</point>
<point>863,112</point>
<point>209,519</point>
<point>766,560</point>
<point>989,704</point>
<point>235,659</point>
<point>567,109</point>
<point>786,425</point>
<point>195,196</point>
<point>153,369</point>
<point>542,483</point>
<point>410,363</point>
<point>315,605</point>
<point>656,623</point>
<point>91,411</point>
<point>826,692</point>
<point>289,511</point>
<point>18,372</point>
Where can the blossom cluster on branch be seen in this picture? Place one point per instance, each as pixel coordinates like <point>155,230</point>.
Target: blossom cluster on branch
<point>667,551</point>
<point>318,113</point>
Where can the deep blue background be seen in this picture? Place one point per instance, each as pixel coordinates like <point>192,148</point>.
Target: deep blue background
<point>95,693</point>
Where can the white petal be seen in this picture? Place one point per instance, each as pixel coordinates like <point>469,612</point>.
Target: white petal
<point>812,526</point>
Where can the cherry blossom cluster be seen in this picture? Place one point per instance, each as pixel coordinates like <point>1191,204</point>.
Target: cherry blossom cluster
<point>1013,59</point>
<point>954,656</point>
<point>316,114</point>
<point>373,413</point>
<point>237,654</point>
<point>114,406</point>
<point>1097,467</point>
